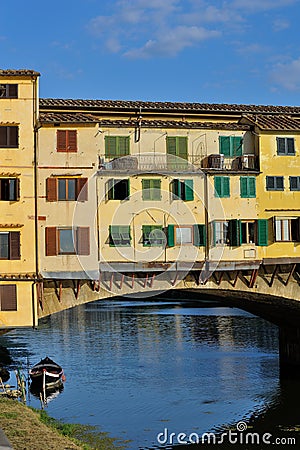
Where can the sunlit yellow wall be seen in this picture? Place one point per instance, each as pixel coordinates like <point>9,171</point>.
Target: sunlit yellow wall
<point>83,163</point>
<point>19,215</point>
<point>278,203</point>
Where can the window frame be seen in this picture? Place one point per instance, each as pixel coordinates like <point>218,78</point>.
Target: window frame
<point>275,178</point>
<point>13,184</point>
<point>11,135</point>
<point>223,233</point>
<point>116,153</point>
<point>245,224</point>
<point>182,189</point>
<point>13,245</point>
<point>280,230</point>
<point>297,183</point>
<point>229,148</point>
<point>121,233</point>
<point>11,90</point>
<point>69,141</point>
<point>73,235</point>
<point>111,188</point>
<point>224,186</point>
<point>147,229</point>
<point>151,193</point>
<point>185,227</point>
<point>246,190</point>
<point>286,146</point>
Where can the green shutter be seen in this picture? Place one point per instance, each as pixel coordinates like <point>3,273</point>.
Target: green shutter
<point>146,189</point>
<point>182,147</point>
<point>226,186</point>
<point>224,145</point>
<point>175,189</point>
<point>235,235</point>
<point>218,186</point>
<point>244,187</point>
<point>252,187</point>
<point>110,146</point>
<point>171,145</point>
<point>199,235</point>
<point>155,192</point>
<point>236,146</point>
<point>123,145</point>
<point>110,189</point>
<point>188,190</point>
<point>262,232</point>
<point>171,235</point>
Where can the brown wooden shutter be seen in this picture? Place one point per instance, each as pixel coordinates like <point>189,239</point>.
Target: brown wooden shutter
<point>8,297</point>
<point>51,189</point>
<point>61,141</point>
<point>71,141</point>
<point>82,189</point>
<point>83,241</point>
<point>51,241</point>
<point>14,245</point>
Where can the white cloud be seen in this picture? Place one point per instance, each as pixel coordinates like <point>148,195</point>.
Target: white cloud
<point>173,42</point>
<point>280,25</point>
<point>287,75</point>
<point>260,5</point>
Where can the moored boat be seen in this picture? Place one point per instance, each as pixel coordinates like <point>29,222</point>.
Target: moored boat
<point>46,373</point>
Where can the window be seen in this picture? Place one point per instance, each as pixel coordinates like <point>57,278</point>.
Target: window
<point>248,187</point>
<point>182,189</point>
<point>287,229</point>
<point>9,137</point>
<point>275,183</point>
<point>247,232</point>
<point>9,189</point>
<point>151,189</point>
<point>220,233</point>
<point>231,145</point>
<point>199,235</point>
<point>285,146</point>
<point>153,236</point>
<point>117,146</point>
<point>10,245</point>
<point>66,189</point>
<point>66,141</point>
<point>8,91</point>
<point>8,297</point>
<point>117,189</point>
<point>119,236</point>
<point>183,235</point>
<point>177,149</point>
<point>294,183</point>
<point>67,241</point>
<point>222,186</point>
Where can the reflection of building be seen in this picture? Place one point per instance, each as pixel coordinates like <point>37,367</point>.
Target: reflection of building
<point>137,186</point>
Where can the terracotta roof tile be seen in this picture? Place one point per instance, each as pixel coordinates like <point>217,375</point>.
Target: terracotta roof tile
<point>51,103</point>
<point>272,122</point>
<point>67,118</point>
<point>18,73</point>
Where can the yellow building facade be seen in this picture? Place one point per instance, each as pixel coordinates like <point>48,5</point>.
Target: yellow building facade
<point>143,189</point>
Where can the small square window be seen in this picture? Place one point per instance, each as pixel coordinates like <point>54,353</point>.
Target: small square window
<point>183,235</point>
<point>66,241</point>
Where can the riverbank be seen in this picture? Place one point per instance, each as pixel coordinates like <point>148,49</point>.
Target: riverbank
<point>28,429</point>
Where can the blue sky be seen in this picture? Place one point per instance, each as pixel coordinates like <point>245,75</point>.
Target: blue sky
<point>233,51</point>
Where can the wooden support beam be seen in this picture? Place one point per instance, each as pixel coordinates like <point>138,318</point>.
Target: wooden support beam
<point>111,281</point>
<point>253,278</point>
<point>175,279</point>
<point>146,280</point>
<point>122,280</point>
<point>290,274</point>
<point>273,275</point>
<point>77,289</point>
<point>132,283</point>
<point>236,277</point>
<point>39,293</point>
<point>152,280</point>
<point>196,275</point>
<point>60,291</point>
<point>220,278</point>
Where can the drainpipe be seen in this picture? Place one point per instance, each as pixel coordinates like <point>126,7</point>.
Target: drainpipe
<point>35,137</point>
<point>206,221</point>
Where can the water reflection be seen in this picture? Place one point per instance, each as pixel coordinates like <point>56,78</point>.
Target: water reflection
<point>132,366</point>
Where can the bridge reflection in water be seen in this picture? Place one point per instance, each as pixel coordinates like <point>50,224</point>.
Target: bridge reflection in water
<point>134,367</point>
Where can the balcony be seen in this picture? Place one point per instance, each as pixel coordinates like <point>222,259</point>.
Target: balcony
<point>164,163</point>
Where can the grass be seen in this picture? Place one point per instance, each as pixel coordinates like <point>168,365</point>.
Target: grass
<point>28,428</point>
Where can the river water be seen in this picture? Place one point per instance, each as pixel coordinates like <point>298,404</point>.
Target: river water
<point>141,370</point>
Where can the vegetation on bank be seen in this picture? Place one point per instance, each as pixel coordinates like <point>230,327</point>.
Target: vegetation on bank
<point>28,429</point>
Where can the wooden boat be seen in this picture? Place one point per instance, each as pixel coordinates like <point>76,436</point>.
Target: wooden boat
<point>46,373</point>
